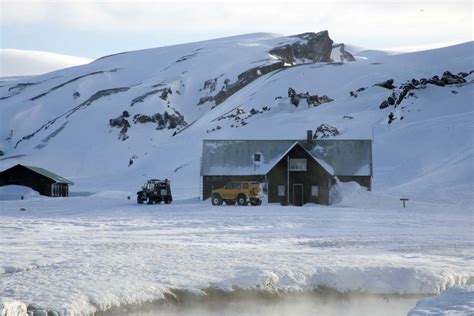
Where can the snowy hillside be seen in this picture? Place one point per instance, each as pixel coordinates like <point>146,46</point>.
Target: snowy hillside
<point>17,62</point>
<point>111,124</point>
<point>87,122</point>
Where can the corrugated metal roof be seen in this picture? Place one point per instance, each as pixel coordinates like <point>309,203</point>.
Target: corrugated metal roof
<point>49,174</point>
<point>236,157</point>
<point>346,157</point>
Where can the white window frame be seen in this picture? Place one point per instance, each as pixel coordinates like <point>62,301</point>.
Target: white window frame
<point>315,190</point>
<point>298,164</point>
<point>281,190</point>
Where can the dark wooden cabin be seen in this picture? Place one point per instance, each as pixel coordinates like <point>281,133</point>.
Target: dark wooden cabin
<point>39,179</point>
<point>299,178</point>
<point>294,171</point>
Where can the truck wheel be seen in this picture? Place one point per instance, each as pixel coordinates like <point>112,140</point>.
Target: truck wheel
<point>150,201</point>
<point>242,200</point>
<point>256,202</point>
<point>167,201</point>
<point>216,199</point>
<point>139,200</point>
<point>229,202</point>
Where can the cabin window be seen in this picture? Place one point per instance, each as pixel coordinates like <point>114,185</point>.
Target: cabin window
<point>245,185</point>
<point>297,164</point>
<point>315,190</point>
<point>281,190</point>
<point>257,157</point>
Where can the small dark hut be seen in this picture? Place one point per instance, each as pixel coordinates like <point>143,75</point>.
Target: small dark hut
<point>294,171</point>
<point>39,179</point>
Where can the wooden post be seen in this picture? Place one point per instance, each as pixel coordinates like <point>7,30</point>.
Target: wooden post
<point>403,201</point>
<point>288,180</point>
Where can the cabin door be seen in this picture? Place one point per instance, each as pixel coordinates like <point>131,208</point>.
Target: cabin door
<point>297,194</point>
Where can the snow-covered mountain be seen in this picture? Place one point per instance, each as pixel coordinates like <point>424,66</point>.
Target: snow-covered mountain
<point>18,62</point>
<point>154,107</point>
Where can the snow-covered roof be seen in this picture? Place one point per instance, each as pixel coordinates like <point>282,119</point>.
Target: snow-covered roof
<point>323,164</point>
<point>236,157</point>
<point>348,157</point>
<point>48,174</point>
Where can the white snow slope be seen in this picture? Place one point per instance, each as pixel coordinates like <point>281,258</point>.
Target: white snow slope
<point>60,121</point>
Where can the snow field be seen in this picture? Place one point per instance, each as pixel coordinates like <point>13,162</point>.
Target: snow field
<point>83,254</point>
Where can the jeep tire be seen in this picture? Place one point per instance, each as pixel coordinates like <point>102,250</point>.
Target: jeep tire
<point>242,200</point>
<point>216,199</point>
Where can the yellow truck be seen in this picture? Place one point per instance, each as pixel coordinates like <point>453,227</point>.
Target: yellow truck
<point>240,192</point>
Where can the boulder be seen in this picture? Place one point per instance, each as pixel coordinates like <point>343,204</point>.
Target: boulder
<point>325,131</point>
<point>388,84</point>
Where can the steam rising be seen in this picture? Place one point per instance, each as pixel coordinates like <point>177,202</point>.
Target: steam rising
<point>325,302</point>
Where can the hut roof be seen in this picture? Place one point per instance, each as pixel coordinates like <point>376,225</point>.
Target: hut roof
<point>236,157</point>
<point>48,174</point>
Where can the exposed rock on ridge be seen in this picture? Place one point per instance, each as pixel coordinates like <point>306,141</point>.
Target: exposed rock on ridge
<point>316,47</point>
<point>311,48</point>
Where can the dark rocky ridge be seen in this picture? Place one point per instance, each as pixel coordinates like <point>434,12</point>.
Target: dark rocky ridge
<point>316,47</point>
<point>311,48</point>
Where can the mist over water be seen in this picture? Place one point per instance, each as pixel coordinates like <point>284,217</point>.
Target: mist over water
<point>254,303</point>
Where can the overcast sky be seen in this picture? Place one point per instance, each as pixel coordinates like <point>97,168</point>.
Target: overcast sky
<point>93,28</point>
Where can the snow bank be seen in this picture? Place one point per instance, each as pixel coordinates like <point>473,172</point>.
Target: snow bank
<point>15,192</point>
<point>12,308</point>
<point>385,279</point>
<point>457,301</point>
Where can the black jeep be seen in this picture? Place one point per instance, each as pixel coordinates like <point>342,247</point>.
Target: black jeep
<point>155,191</point>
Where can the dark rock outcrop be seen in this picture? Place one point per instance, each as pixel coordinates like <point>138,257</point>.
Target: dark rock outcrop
<point>311,100</point>
<point>121,122</point>
<point>388,84</point>
<point>163,121</point>
<point>325,131</point>
<point>407,89</point>
<point>391,118</point>
<point>355,94</point>
<point>315,47</point>
<point>310,48</point>
<point>210,85</point>
<point>165,93</point>
<point>244,79</point>
<point>239,116</point>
